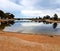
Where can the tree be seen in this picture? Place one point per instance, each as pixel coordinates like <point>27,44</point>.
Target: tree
<point>47,17</point>
<point>6,15</point>
<point>40,17</point>
<point>12,16</point>
<point>55,17</point>
<point>1,14</point>
<point>9,15</point>
<point>44,17</point>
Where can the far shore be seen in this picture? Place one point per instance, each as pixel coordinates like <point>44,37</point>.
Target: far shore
<point>47,20</point>
<point>3,20</point>
<point>12,41</point>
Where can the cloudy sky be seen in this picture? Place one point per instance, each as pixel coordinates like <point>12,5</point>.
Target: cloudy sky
<point>30,8</point>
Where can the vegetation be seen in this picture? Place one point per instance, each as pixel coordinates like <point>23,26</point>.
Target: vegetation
<point>11,16</point>
<point>47,17</point>
<point>6,15</point>
<point>55,17</point>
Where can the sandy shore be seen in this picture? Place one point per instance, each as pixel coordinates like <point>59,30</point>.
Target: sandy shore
<point>10,41</point>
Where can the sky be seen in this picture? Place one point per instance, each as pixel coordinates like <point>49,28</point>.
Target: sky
<point>31,8</point>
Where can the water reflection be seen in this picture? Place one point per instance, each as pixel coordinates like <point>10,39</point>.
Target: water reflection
<point>45,22</point>
<point>5,24</point>
<point>27,25</point>
<point>54,25</point>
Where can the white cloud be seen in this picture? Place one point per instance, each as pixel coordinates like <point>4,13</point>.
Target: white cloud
<point>40,12</point>
<point>30,7</point>
<point>27,4</point>
<point>37,12</point>
<point>11,7</point>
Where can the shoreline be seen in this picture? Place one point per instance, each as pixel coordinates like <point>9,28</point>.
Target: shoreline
<point>12,41</point>
<point>44,34</point>
<point>27,34</point>
<point>53,21</point>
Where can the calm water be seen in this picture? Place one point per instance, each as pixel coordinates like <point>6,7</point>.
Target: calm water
<point>31,27</point>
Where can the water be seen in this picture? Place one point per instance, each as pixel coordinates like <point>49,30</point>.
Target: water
<point>31,27</point>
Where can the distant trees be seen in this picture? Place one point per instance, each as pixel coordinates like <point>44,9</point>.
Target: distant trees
<point>55,17</point>
<point>6,15</point>
<point>46,17</point>
<point>40,17</point>
<point>37,18</point>
<point>11,16</point>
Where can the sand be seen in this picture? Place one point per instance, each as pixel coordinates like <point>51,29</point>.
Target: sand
<point>10,41</point>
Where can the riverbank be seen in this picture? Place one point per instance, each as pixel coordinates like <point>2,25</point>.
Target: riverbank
<point>3,20</point>
<point>47,20</point>
<point>10,41</point>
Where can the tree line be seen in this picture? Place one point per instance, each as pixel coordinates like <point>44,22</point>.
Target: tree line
<point>55,17</point>
<point>6,15</point>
